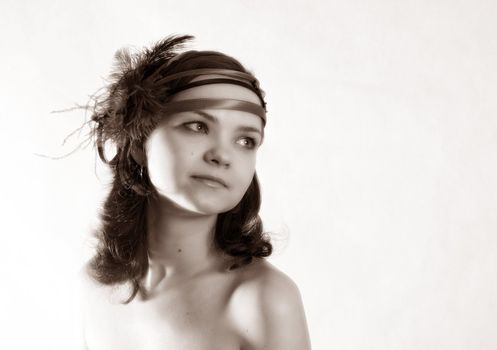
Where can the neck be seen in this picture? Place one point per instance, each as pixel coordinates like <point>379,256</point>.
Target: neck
<point>180,243</point>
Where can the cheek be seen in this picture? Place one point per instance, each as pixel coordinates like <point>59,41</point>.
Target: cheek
<point>163,160</point>
<point>160,171</point>
<point>246,172</point>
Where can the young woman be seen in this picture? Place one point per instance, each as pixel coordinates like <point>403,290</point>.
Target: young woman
<point>180,261</point>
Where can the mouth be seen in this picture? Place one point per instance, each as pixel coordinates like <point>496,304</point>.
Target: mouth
<point>210,181</point>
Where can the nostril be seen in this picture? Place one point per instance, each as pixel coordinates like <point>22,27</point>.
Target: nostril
<point>215,158</point>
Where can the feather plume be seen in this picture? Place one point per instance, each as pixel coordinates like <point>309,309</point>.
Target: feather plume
<point>126,111</point>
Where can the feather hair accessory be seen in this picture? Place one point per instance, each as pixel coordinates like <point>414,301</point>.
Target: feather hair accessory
<point>126,111</point>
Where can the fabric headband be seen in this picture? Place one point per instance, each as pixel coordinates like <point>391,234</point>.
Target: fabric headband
<point>215,103</point>
<point>232,77</point>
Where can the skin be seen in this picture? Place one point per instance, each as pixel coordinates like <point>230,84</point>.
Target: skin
<point>191,300</point>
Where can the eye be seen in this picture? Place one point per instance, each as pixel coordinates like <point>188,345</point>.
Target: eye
<point>196,127</point>
<point>247,142</point>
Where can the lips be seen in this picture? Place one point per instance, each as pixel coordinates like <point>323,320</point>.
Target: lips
<point>210,180</point>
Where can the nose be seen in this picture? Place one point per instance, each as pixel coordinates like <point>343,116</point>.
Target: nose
<point>218,156</point>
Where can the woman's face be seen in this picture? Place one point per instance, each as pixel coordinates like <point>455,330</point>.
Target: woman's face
<point>188,148</point>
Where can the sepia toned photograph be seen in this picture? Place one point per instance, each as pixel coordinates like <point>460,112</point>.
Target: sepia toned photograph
<point>249,175</point>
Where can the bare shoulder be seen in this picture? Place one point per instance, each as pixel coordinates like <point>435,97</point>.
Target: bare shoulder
<point>267,310</point>
<point>263,280</point>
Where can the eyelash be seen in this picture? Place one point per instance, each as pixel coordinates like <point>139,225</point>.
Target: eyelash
<point>252,141</point>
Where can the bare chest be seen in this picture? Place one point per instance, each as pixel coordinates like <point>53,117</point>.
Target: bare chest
<point>186,318</point>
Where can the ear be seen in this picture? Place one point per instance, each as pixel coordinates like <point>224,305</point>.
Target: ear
<point>138,154</point>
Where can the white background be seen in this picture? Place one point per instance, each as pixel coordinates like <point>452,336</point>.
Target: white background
<point>378,170</point>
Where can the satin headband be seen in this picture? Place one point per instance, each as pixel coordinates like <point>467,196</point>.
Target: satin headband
<point>215,103</point>
<point>231,77</point>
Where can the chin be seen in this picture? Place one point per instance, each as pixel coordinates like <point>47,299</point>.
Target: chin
<point>201,204</point>
<point>204,207</point>
<point>212,208</point>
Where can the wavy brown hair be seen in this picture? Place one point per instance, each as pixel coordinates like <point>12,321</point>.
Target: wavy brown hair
<point>125,115</point>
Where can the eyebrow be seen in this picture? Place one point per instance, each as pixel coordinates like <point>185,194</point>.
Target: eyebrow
<point>215,120</point>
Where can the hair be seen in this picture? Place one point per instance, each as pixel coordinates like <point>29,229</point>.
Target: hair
<point>125,115</point>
